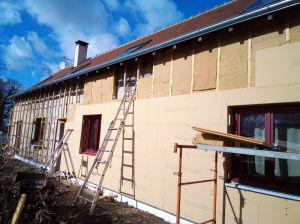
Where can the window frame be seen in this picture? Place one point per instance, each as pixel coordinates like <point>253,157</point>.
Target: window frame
<point>38,130</point>
<point>268,180</point>
<point>86,133</point>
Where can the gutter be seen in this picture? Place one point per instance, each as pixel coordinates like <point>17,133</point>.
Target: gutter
<point>264,10</point>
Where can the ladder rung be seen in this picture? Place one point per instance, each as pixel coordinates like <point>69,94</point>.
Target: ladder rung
<point>109,139</point>
<point>127,165</point>
<point>128,125</point>
<point>127,179</point>
<point>102,162</point>
<point>104,150</point>
<point>128,152</point>
<point>130,112</point>
<point>84,198</point>
<point>128,138</point>
<point>113,129</point>
<point>98,174</point>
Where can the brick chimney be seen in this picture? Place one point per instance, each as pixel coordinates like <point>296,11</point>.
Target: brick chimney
<point>80,52</point>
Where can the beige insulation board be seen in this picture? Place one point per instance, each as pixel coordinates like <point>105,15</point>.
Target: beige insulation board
<point>250,207</point>
<point>234,59</point>
<point>265,34</point>
<point>182,68</point>
<point>205,64</point>
<point>294,22</point>
<point>144,87</point>
<point>162,70</point>
<point>98,88</point>
<point>278,65</point>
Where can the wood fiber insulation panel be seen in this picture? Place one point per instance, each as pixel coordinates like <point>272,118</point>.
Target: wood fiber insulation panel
<point>234,60</point>
<point>182,69</point>
<point>205,67</point>
<point>278,65</point>
<point>90,83</point>
<point>265,34</point>
<point>106,86</point>
<point>162,70</point>
<point>144,87</point>
<point>145,79</point>
<point>294,20</point>
<point>98,88</point>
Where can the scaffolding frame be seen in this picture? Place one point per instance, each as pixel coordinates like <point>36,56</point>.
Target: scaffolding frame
<point>180,183</point>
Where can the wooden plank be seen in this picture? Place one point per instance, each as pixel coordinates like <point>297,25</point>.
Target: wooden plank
<point>250,151</point>
<point>232,137</point>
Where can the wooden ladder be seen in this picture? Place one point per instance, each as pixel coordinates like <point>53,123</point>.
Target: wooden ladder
<point>105,152</point>
<point>57,151</point>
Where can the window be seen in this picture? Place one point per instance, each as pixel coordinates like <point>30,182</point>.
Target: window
<point>90,134</point>
<point>119,82</point>
<point>146,66</point>
<point>38,129</point>
<point>273,124</point>
<point>133,49</point>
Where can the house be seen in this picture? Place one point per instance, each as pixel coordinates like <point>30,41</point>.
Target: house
<point>233,69</point>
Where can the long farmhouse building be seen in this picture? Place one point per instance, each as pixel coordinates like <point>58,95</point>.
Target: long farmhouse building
<point>233,69</point>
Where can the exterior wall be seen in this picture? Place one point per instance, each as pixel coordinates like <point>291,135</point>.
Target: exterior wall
<point>155,161</point>
<point>257,63</point>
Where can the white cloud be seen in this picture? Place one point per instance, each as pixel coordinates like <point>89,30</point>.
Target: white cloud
<point>10,13</point>
<point>153,14</point>
<point>123,27</point>
<point>112,4</point>
<point>37,43</point>
<point>18,53</point>
<point>101,23</point>
<point>72,20</point>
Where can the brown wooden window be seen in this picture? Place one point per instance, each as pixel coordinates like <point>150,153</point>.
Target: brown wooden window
<point>278,125</point>
<point>38,129</point>
<point>90,134</point>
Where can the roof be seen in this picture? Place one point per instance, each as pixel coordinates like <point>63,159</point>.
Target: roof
<point>189,27</point>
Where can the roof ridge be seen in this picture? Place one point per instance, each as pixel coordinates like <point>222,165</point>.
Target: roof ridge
<point>166,27</point>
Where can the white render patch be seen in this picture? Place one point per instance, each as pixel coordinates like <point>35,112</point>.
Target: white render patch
<point>121,198</point>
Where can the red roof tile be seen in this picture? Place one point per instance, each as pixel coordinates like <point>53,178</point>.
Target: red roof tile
<point>202,20</point>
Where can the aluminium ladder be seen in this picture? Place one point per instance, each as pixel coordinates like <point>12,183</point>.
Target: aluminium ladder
<point>57,151</point>
<point>105,152</point>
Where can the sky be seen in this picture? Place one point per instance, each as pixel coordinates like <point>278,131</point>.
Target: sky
<point>35,36</point>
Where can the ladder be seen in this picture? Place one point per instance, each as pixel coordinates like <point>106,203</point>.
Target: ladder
<point>127,165</point>
<point>57,151</point>
<point>105,152</point>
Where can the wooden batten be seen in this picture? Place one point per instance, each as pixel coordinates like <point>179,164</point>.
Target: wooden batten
<point>218,62</point>
<point>137,79</point>
<point>171,73</point>
<point>249,58</point>
<point>64,102</point>
<point>193,68</point>
<point>50,124</point>
<point>287,29</point>
<point>76,91</point>
<point>153,75</point>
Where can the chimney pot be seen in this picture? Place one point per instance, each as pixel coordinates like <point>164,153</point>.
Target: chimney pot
<point>80,52</point>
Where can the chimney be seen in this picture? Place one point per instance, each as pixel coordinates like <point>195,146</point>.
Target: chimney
<point>80,52</point>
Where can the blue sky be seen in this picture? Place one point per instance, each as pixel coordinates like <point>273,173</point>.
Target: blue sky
<point>36,35</point>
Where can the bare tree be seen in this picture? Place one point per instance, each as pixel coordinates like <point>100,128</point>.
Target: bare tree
<point>8,88</point>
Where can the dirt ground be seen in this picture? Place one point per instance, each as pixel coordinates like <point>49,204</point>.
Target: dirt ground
<point>53,202</point>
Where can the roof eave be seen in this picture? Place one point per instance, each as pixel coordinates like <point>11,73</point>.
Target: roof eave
<point>270,8</point>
